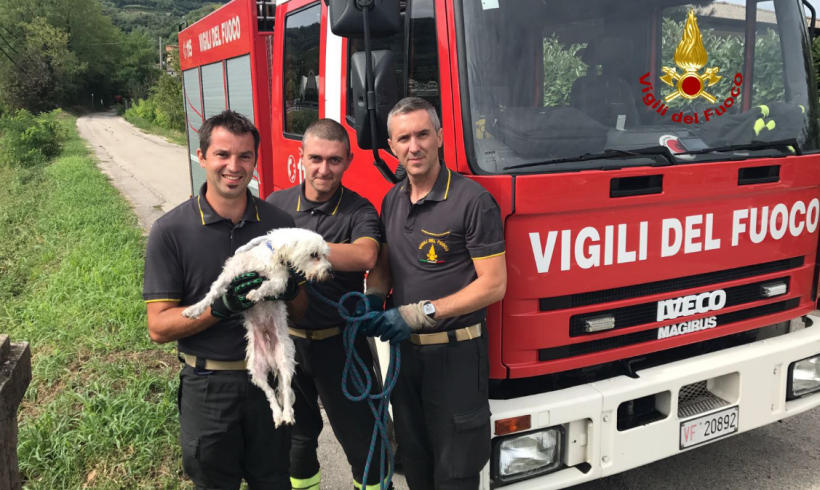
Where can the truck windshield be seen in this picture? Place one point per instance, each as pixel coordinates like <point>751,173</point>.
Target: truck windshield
<point>551,80</point>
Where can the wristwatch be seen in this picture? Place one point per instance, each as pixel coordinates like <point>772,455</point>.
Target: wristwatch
<point>429,310</point>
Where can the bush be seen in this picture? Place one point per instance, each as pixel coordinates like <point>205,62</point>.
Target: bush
<point>167,95</point>
<point>145,109</point>
<point>28,140</point>
<point>562,66</point>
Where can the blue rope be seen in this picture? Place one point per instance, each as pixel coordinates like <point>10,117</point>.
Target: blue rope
<point>357,374</point>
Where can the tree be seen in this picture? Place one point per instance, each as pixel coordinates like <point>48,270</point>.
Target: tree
<point>81,30</point>
<point>137,71</point>
<point>562,66</point>
<point>94,40</point>
<point>43,72</point>
<point>167,95</point>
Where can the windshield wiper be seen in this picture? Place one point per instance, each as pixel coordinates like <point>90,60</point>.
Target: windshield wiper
<point>786,146</point>
<point>653,151</point>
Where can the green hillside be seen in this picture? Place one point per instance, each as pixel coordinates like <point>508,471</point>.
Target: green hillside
<point>156,17</point>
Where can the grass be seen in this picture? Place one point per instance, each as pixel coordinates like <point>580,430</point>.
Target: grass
<point>172,135</point>
<point>101,409</point>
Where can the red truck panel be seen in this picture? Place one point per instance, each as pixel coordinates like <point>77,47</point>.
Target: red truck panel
<point>224,34</point>
<point>624,246</point>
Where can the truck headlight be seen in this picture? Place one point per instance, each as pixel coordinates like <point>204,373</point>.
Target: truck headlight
<point>804,377</point>
<point>527,455</point>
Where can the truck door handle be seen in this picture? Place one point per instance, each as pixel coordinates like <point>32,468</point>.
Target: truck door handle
<point>758,175</point>
<point>636,186</point>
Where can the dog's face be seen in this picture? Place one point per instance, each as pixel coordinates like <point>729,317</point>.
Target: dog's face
<point>306,252</point>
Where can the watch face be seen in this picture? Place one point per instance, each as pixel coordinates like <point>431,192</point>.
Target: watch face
<point>429,309</point>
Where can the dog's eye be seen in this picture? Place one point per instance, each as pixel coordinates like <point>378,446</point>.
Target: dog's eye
<point>314,255</point>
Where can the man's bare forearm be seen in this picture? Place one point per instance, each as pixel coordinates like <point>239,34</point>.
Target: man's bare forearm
<point>354,257</point>
<point>166,323</point>
<point>488,288</point>
<point>380,279</point>
<point>478,294</point>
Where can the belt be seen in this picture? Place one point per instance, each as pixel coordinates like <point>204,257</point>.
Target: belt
<point>462,334</point>
<point>211,365</point>
<point>322,334</point>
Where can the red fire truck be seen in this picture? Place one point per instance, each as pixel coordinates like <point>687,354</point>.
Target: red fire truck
<point>654,162</point>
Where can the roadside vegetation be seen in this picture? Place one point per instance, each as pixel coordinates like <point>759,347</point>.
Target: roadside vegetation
<point>84,54</point>
<point>162,112</point>
<point>101,409</point>
<point>143,115</point>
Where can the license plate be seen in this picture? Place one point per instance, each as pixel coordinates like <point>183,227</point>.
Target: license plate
<point>709,427</point>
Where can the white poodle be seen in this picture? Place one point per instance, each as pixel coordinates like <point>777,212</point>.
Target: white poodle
<point>270,348</point>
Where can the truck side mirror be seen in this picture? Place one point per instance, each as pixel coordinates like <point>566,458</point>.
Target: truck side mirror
<point>384,71</point>
<point>346,19</point>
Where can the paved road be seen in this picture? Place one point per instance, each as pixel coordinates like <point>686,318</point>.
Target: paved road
<point>153,175</point>
<point>151,172</point>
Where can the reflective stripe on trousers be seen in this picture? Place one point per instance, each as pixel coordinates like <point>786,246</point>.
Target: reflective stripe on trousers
<point>311,483</point>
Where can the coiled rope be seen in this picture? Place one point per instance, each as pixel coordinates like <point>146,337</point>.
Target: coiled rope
<point>357,374</point>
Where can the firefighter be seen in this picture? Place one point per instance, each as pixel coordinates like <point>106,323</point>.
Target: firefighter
<point>350,225</point>
<point>443,256</point>
<point>226,425</point>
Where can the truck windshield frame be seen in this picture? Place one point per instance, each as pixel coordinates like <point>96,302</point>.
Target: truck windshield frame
<point>595,77</point>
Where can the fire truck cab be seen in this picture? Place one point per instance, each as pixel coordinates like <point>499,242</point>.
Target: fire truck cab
<point>654,162</point>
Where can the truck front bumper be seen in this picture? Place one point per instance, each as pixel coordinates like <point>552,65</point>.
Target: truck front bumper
<point>752,377</point>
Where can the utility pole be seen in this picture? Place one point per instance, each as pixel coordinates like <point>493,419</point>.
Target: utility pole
<point>160,53</point>
<point>92,102</point>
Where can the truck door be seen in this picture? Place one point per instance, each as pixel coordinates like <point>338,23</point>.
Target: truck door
<point>298,85</point>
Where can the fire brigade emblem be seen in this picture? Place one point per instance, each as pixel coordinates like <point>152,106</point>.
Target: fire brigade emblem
<point>691,56</point>
<point>432,250</point>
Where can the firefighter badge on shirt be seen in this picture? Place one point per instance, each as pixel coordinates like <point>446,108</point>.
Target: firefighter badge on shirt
<point>690,56</point>
<point>433,251</point>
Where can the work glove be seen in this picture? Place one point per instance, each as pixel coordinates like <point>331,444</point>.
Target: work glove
<point>391,326</point>
<point>376,304</point>
<point>397,324</point>
<point>235,300</point>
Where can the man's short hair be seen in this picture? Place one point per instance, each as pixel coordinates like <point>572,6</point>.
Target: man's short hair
<point>413,104</point>
<point>328,129</point>
<point>235,123</point>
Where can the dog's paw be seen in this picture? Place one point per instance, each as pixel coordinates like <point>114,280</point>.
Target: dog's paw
<point>254,296</point>
<point>288,417</point>
<point>192,312</point>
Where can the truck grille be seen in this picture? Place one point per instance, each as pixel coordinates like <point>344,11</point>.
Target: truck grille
<point>642,314</point>
<point>695,398</point>
<point>667,286</point>
<point>583,348</point>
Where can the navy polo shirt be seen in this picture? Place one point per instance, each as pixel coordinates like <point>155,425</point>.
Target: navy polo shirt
<point>344,218</point>
<point>434,242</point>
<point>186,250</point>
